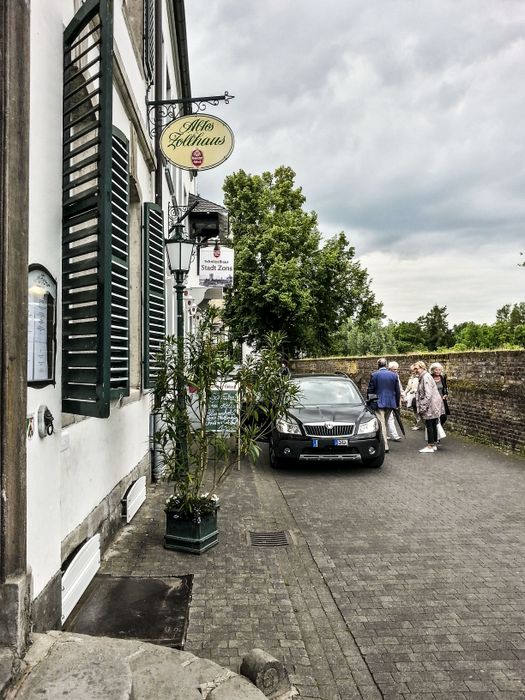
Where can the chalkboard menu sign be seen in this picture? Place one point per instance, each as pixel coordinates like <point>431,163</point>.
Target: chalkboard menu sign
<point>223,409</point>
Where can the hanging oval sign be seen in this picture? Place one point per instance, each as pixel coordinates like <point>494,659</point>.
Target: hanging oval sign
<point>196,142</point>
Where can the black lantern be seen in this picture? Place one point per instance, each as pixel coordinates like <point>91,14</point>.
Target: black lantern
<point>179,251</point>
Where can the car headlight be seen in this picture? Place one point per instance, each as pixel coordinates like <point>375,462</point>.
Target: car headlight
<point>287,425</point>
<point>370,426</point>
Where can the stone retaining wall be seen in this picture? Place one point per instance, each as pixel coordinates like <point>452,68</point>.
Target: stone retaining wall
<point>487,389</point>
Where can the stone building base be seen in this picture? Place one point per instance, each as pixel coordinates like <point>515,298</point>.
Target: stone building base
<point>106,520</point>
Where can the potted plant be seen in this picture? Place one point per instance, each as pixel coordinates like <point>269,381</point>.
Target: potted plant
<point>213,413</point>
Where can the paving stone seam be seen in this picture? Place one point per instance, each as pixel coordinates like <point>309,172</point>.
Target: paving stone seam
<point>296,555</point>
<point>290,569</point>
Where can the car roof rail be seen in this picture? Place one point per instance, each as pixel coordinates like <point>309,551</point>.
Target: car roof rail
<point>343,374</point>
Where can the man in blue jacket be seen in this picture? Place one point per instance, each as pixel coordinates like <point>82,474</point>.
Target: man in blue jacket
<point>383,394</point>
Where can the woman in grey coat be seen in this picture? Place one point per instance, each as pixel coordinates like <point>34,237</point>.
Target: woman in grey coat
<point>429,405</point>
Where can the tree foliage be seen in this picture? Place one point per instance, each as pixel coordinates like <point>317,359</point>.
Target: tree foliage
<point>508,331</point>
<point>194,378</point>
<point>371,337</point>
<point>284,277</point>
<point>340,288</point>
<point>434,327</point>
<point>431,332</point>
<point>409,336</point>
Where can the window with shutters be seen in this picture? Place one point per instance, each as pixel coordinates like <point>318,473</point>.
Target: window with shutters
<point>154,290</point>
<point>140,19</point>
<point>95,338</point>
<point>149,39</point>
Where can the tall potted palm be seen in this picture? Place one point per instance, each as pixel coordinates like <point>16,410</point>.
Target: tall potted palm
<point>213,412</point>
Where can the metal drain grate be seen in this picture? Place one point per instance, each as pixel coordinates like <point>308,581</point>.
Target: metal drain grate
<point>269,539</point>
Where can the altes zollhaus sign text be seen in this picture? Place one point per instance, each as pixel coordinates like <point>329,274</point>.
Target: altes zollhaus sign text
<point>196,142</point>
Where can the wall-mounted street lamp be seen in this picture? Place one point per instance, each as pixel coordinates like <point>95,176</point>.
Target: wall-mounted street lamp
<point>179,252</point>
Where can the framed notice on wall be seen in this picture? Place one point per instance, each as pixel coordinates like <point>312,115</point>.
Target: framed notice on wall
<point>41,327</point>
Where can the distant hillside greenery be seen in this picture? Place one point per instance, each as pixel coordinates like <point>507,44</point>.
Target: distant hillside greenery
<point>431,332</point>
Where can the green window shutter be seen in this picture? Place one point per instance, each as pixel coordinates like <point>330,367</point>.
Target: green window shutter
<point>149,39</point>
<point>86,213</point>
<point>119,353</point>
<point>154,290</point>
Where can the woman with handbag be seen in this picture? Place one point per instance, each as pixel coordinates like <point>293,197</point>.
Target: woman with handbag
<point>429,405</point>
<point>436,370</point>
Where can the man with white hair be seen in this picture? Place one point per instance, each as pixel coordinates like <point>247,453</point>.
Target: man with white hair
<point>393,366</point>
<point>383,395</point>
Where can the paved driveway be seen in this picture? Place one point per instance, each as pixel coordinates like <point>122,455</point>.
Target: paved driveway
<point>404,582</point>
<point>425,561</point>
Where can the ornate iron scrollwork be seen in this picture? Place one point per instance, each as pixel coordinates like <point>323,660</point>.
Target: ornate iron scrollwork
<point>161,112</point>
<point>177,214</point>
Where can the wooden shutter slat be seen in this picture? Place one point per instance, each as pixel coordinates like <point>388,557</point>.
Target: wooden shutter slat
<point>119,344</point>
<point>154,290</point>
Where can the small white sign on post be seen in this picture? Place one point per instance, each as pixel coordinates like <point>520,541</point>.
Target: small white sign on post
<point>216,267</point>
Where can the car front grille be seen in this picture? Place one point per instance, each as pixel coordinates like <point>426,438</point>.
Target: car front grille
<point>329,429</point>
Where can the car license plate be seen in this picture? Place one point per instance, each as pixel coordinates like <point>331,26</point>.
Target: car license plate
<point>337,442</point>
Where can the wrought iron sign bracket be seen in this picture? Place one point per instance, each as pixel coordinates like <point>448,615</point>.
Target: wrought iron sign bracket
<point>176,214</point>
<point>160,111</point>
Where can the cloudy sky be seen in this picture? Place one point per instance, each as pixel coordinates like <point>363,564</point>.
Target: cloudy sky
<point>404,121</point>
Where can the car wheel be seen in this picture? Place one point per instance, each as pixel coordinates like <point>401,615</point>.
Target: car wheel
<point>376,462</point>
<point>274,461</point>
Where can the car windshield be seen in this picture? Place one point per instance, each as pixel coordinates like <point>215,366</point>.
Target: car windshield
<point>319,392</point>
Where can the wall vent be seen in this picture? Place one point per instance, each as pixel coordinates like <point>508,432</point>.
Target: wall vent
<point>79,573</point>
<point>134,498</point>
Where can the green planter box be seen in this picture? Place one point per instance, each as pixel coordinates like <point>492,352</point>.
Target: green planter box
<point>187,536</point>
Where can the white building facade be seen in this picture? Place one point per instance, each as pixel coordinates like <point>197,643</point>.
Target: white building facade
<point>99,295</point>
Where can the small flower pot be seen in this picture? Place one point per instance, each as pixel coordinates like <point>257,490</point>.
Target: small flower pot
<point>188,536</point>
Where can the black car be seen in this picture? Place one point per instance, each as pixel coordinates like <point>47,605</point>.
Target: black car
<point>330,422</point>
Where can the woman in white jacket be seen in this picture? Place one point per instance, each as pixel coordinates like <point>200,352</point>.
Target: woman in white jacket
<point>410,395</point>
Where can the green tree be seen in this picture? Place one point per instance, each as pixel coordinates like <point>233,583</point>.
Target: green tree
<point>436,332</point>
<point>409,336</point>
<point>475,336</point>
<point>508,320</point>
<point>503,314</point>
<point>341,293</point>
<point>284,280</point>
<point>517,314</point>
<point>507,331</point>
<point>370,337</point>
<point>519,335</point>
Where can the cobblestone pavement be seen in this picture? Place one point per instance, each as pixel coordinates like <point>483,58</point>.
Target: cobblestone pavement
<point>406,582</point>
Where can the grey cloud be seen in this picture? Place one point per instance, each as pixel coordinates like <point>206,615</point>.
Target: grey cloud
<point>403,120</point>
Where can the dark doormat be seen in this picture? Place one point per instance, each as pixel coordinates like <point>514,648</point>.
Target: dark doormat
<point>128,607</point>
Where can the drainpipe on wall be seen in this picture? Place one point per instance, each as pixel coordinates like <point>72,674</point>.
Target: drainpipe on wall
<point>15,598</point>
<point>159,90</point>
<point>182,52</point>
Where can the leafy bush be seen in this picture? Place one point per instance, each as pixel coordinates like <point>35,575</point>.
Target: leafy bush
<point>191,391</point>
